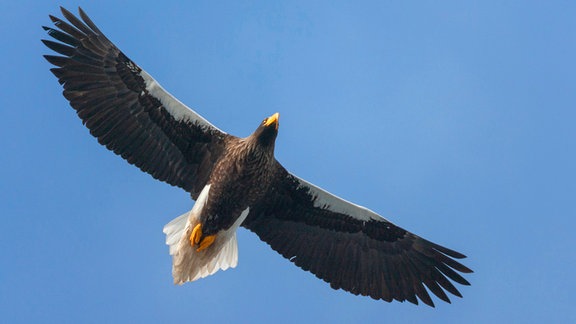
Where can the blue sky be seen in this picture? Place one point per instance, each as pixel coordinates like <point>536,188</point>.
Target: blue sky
<point>454,120</point>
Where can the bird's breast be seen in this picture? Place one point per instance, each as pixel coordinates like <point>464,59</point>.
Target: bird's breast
<point>237,183</point>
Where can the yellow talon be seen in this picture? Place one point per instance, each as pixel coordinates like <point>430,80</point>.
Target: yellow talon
<point>196,235</point>
<point>196,238</point>
<point>206,242</point>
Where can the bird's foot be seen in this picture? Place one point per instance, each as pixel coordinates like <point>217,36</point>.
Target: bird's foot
<point>197,239</point>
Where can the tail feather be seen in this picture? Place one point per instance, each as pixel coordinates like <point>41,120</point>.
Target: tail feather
<point>174,231</point>
<point>189,264</point>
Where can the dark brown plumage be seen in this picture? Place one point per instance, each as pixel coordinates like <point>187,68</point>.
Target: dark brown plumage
<point>238,182</point>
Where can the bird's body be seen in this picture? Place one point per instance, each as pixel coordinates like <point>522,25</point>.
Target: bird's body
<point>238,182</point>
<point>239,178</point>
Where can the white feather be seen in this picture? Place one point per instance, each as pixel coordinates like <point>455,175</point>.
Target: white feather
<point>189,264</point>
<point>325,200</point>
<point>175,107</point>
<point>174,231</point>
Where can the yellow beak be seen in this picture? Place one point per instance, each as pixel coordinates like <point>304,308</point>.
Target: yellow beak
<point>272,120</point>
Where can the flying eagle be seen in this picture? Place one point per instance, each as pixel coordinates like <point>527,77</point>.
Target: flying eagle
<point>238,182</point>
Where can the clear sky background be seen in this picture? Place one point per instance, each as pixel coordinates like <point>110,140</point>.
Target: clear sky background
<point>453,119</point>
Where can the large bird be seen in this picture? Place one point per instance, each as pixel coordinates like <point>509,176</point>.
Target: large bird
<point>238,182</point>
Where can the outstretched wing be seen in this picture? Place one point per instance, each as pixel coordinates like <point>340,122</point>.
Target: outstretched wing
<point>127,110</point>
<point>352,247</point>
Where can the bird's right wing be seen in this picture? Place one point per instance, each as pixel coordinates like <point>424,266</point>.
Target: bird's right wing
<point>350,246</point>
<point>127,110</point>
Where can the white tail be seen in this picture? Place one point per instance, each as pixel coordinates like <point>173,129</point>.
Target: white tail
<point>187,263</point>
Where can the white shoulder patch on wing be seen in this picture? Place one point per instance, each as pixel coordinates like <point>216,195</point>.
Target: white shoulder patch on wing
<point>175,107</point>
<point>325,200</point>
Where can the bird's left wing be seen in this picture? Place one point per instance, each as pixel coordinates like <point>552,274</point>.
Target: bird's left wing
<point>352,247</point>
<point>127,110</point>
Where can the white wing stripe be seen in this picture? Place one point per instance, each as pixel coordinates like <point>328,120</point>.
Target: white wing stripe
<point>325,200</point>
<point>175,107</point>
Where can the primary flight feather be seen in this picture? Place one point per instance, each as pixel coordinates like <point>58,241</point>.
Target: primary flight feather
<point>238,182</point>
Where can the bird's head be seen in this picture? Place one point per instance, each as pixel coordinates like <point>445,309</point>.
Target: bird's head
<point>267,130</point>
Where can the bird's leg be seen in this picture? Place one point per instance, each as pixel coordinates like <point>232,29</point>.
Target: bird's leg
<point>196,238</point>
<point>196,235</point>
